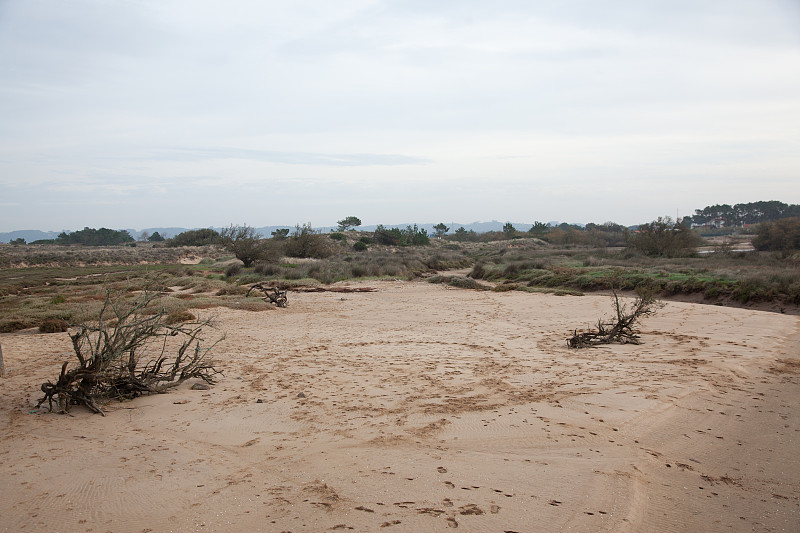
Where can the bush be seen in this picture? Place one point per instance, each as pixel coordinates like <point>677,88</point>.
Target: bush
<point>95,237</point>
<point>663,237</point>
<point>196,237</point>
<point>466,283</point>
<point>233,269</point>
<point>53,325</point>
<point>248,246</point>
<point>411,236</point>
<point>782,235</point>
<point>10,326</point>
<point>306,242</point>
<point>231,290</point>
<point>178,317</point>
<point>390,237</point>
<point>267,269</point>
<point>338,236</point>
<point>359,246</point>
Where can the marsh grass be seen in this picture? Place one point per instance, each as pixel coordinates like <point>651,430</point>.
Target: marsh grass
<point>737,278</point>
<point>46,296</point>
<point>74,291</point>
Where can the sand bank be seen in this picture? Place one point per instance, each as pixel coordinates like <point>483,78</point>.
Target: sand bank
<point>424,408</point>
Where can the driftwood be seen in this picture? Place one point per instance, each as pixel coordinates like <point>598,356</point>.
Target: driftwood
<point>124,355</point>
<point>622,329</point>
<point>277,296</point>
<point>2,364</point>
<point>334,289</point>
<point>271,294</point>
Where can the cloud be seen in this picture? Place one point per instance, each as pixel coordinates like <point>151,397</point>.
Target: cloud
<point>494,107</point>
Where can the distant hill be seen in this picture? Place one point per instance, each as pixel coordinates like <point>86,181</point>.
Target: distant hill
<point>29,235</point>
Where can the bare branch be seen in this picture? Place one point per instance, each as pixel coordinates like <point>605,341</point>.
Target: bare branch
<point>128,357</point>
<point>622,330</point>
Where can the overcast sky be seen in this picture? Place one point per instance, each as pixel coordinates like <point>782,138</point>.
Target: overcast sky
<point>138,113</point>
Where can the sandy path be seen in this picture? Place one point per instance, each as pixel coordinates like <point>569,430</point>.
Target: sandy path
<point>425,408</point>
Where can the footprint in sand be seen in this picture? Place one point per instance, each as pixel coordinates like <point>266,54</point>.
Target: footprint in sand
<point>470,509</point>
<point>441,470</point>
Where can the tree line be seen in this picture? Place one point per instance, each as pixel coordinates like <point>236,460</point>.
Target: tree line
<point>779,227</point>
<point>740,214</point>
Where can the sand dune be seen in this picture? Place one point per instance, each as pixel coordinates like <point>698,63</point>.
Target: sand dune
<point>424,408</point>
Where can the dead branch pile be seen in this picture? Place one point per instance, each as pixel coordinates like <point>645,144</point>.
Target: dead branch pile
<point>621,330</point>
<point>271,294</point>
<point>125,355</point>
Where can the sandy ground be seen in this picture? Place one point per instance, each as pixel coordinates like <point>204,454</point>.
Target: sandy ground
<point>424,408</point>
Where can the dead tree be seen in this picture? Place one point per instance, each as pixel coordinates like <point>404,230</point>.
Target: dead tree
<point>125,355</point>
<point>271,294</point>
<point>621,330</point>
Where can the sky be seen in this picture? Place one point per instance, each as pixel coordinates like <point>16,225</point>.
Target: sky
<point>140,114</point>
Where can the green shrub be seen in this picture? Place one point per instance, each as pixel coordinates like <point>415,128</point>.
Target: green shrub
<point>95,237</point>
<point>306,242</point>
<point>248,279</point>
<point>196,237</point>
<point>781,235</point>
<point>359,246</point>
<point>479,271</point>
<point>248,246</point>
<point>665,238</point>
<point>338,236</point>
<point>57,299</point>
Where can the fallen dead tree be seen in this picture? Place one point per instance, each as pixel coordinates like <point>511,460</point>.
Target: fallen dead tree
<point>621,330</point>
<point>277,295</point>
<point>271,294</point>
<point>125,354</point>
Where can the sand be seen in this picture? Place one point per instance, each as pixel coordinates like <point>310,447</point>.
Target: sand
<point>424,408</point>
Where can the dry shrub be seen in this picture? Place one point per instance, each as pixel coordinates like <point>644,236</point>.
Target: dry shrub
<point>130,358</point>
<point>249,305</point>
<point>232,290</point>
<point>10,326</point>
<point>178,317</point>
<point>53,325</point>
